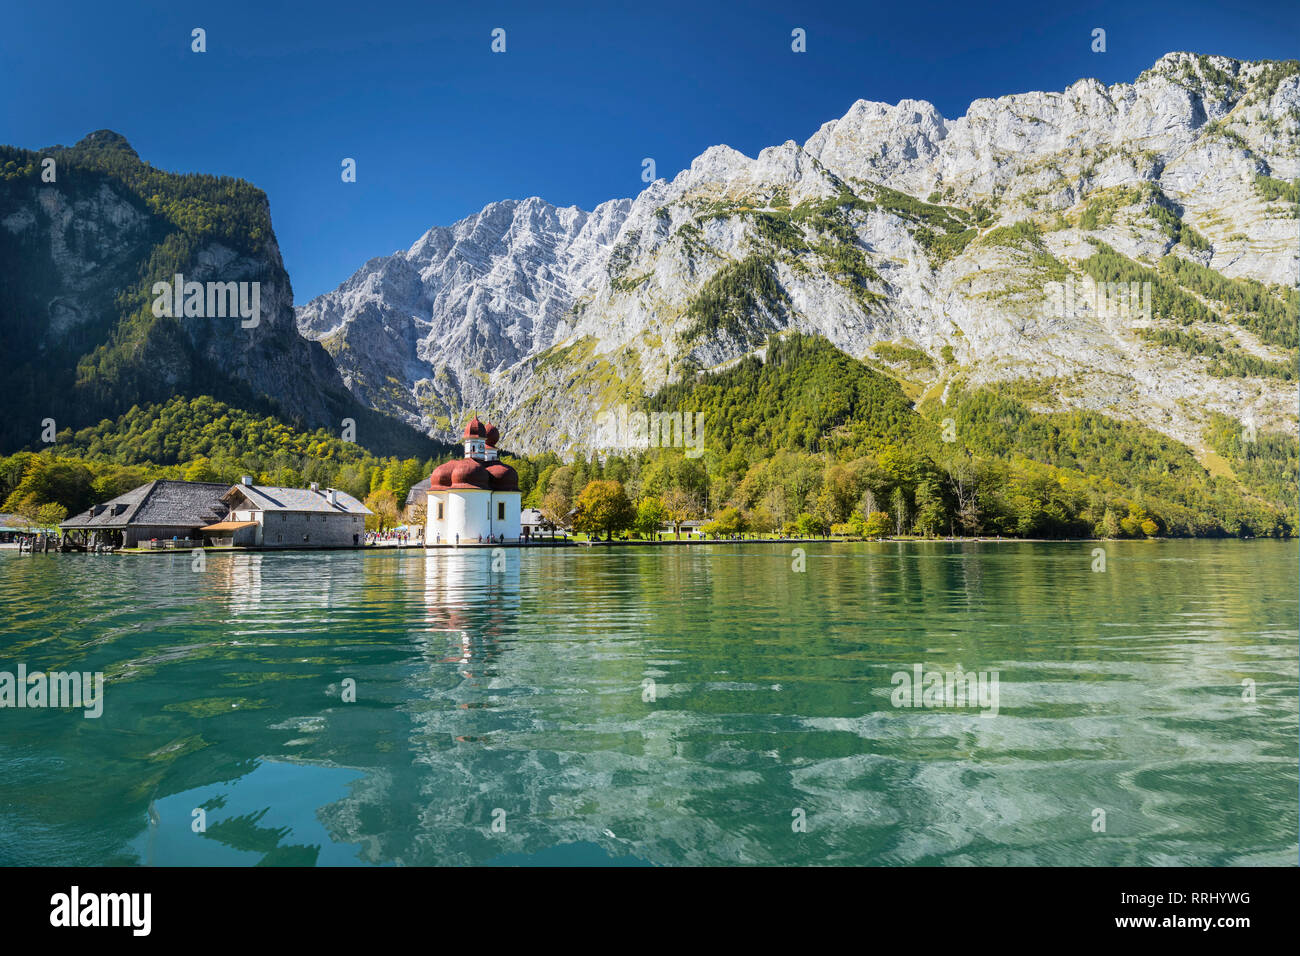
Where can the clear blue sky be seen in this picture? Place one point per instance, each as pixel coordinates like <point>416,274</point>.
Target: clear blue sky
<point>441,126</point>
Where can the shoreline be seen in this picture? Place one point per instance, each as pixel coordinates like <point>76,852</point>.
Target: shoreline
<point>636,543</point>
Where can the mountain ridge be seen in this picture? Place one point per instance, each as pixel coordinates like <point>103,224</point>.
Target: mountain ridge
<point>888,225</point>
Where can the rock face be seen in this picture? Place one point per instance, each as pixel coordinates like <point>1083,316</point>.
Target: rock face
<point>83,241</point>
<point>492,291</point>
<point>891,225</point>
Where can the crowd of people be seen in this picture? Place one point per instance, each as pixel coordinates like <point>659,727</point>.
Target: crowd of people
<point>477,539</point>
<point>394,538</point>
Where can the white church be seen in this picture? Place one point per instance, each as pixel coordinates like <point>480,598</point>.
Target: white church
<point>476,498</point>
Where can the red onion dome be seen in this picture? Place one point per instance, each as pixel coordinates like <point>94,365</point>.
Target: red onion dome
<point>504,478</point>
<point>493,436</point>
<point>461,473</point>
<point>475,429</point>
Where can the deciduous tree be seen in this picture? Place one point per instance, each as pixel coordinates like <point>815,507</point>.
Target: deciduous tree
<point>603,506</point>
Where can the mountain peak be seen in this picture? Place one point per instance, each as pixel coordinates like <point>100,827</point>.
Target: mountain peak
<point>1199,69</point>
<point>1175,59</point>
<point>106,139</point>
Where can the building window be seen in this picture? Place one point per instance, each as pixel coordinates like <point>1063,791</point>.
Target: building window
<point>283,516</point>
<point>439,510</point>
<point>501,511</point>
<point>279,538</point>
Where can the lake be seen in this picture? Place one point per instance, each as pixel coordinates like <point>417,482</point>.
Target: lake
<point>707,704</point>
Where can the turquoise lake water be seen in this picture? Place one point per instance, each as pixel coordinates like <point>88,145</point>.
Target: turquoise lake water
<point>660,706</point>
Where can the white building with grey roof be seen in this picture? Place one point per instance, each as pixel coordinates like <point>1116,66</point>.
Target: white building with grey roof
<point>268,516</point>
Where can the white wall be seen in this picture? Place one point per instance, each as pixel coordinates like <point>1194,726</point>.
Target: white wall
<point>467,513</point>
<point>472,514</point>
<point>509,526</point>
<point>435,528</point>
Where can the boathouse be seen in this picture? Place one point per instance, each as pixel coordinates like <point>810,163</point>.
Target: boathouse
<point>163,513</point>
<point>11,526</point>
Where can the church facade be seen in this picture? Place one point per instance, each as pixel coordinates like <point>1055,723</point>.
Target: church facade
<point>476,498</point>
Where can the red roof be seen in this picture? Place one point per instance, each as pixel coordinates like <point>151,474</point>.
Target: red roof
<point>504,478</point>
<point>472,473</point>
<point>461,473</point>
<point>468,473</point>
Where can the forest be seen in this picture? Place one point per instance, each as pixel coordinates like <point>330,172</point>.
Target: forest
<point>812,441</point>
<point>198,439</point>
<point>807,441</point>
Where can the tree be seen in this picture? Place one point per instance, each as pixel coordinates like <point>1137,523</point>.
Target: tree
<point>650,516</point>
<point>840,489</point>
<point>774,504</point>
<point>727,522</point>
<point>855,527</point>
<point>1132,523</point>
<point>401,475</point>
<point>931,514</point>
<point>679,506</point>
<point>603,506</point>
<point>566,481</point>
<point>201,470</point>
<point>28,505</point>
<point>761,520</point>
<point>898,504</point>
<point>826,507</point>
<point>384,505</point>
<point>555,508</point>
<point>1029,515</point>
<point>963,480</point>
<point>1108,526</point>
<point>811,525</point>
<point>868,501</point>
<point>118,480</point>
<point>64,481</point>
<point>49,516</point>
<point>672,470</point>
<point>877,525</point>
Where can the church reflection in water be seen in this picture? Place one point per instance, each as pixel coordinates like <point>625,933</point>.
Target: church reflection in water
<point>470,597</point>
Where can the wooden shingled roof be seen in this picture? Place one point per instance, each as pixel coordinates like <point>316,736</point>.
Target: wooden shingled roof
<point>163,502</point>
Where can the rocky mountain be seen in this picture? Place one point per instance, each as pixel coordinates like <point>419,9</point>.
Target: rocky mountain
<point>85,234</point>
<point>933,248</point>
